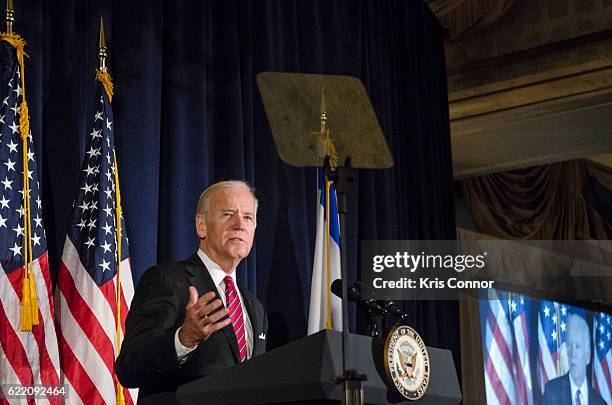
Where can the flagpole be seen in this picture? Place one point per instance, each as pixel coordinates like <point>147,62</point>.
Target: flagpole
<point>102,54</point>
<point>102,72</point>
<point>329,324</point>
<point>10,18</point>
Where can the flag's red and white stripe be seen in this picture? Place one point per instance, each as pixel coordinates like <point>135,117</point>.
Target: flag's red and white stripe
<point>88,323</point>
<point>28,357</point>
<point>602,371</point>
<point>521,360</point>
<point>499,383</point>
<point>602,358</point>
<point>602,377</point>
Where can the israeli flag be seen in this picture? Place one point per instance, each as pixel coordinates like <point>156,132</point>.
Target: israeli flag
<point>325,308</point>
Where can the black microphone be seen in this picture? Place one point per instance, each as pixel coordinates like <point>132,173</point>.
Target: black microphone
<point>364,297</point>
<point>387,306</point>
<point>355,295</point>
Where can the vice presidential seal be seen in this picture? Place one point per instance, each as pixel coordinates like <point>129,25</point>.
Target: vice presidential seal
<point>407,362</point>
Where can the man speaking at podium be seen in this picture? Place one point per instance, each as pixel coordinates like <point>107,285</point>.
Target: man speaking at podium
<point>189,319</point>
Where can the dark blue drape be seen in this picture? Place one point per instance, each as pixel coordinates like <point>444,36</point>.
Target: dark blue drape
<point>188,112</point>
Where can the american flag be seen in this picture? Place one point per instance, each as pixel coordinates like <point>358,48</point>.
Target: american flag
<point>498,348</point>
<point>552,335</point>
<point>602,359</point>
<point>25,357</point>
<point>519,313</point>
<point>88,273</point>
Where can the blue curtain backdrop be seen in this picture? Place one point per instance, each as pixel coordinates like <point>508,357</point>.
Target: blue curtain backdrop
<point>188,113</point>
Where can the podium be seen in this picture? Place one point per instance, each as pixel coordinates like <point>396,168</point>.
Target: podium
<point>304,371</point>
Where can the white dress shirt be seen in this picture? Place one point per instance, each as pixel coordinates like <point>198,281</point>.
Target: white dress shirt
<point>217,276</point>
<point>584,391</point>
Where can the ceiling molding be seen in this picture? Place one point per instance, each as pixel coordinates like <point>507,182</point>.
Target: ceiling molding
<point>553,131</point>
<point>534,87</point>
<point>463,16</point>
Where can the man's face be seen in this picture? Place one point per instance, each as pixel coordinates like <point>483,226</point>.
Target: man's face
<point>578,349</point>
<point>228,227</point>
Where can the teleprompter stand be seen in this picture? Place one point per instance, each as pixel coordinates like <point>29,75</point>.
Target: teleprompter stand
<point>349,134</point>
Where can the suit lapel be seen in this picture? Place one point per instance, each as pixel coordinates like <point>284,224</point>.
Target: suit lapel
<point>201,280</point>
<point>567,394</point>
<point>251,312</point>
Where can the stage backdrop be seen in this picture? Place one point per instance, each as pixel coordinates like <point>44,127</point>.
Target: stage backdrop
<point>188,113</point>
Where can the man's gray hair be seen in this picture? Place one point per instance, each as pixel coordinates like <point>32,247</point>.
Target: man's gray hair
<point>204,200</point>
<point>578,319</point>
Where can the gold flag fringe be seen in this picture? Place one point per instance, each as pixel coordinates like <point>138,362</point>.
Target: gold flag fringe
<point>120,398</point>
<point>330,149</point>
<point>104,78</point>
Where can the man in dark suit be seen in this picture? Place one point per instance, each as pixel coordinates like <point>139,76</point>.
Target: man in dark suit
<point>189,319</point>
<point>573,388</point>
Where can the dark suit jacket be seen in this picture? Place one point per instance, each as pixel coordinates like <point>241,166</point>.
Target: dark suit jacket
<point>558,392</point>
<point>148,357</point>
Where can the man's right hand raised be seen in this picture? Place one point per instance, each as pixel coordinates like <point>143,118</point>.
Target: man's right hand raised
<point>201,320</point>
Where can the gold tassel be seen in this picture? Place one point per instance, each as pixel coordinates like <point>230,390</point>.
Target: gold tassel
<point>107,83</point>
<point>120,397</point>
<point>24,120</point>
<point>33,300</point>
<point>26,308</point>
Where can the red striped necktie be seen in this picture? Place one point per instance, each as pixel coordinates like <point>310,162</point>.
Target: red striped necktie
<point>232,303</point>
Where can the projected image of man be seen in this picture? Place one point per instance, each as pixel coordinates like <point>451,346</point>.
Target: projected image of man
<point>574,388</point>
